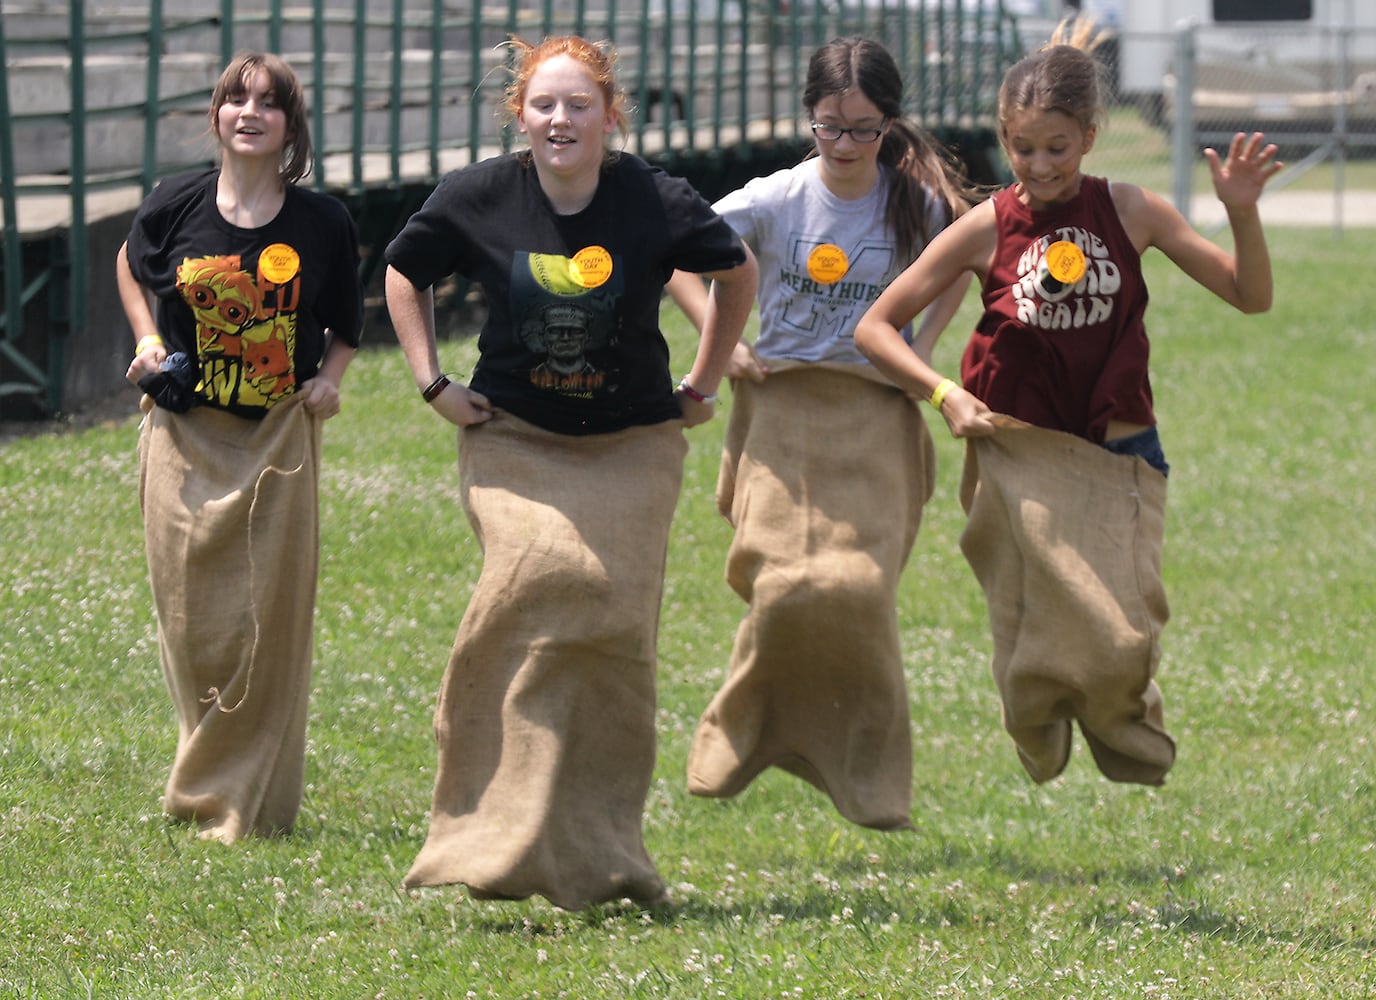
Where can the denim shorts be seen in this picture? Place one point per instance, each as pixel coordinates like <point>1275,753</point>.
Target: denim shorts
<point>1145,445</point>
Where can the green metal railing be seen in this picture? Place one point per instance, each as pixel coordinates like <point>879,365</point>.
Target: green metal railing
<point>403,90</point>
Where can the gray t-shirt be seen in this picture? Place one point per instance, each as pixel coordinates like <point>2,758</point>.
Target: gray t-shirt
<point>823,260</point>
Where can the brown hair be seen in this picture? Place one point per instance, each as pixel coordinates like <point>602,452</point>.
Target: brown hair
<point>1061,76</point>
<point>286,91</point>
<point>918,163</point>
<point>599,59</point>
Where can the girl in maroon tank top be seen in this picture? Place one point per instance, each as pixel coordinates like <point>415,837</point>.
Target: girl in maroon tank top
<point>1062,342</point>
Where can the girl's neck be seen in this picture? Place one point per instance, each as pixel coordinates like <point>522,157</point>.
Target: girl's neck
<point>1065,196</point>
<point>249,194</point>
<point>569,195</point>
<point>847,188</point>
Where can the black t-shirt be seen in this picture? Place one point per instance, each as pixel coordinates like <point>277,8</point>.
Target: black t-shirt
<point>571,342</point>
<point>251,306</point>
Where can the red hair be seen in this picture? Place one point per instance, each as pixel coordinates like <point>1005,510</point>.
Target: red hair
<point>598,60</point>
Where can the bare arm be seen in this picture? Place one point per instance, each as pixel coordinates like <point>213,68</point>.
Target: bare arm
<point>413,317</point>
<point>138,309</point>
<point>1241,278</point>
<point>729,301</point>
<point>690,294</point>
<point>963,248</point>
<point>322,392</point>
<point>937,316</point>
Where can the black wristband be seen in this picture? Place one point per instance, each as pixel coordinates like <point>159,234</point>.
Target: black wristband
<point>434,388</point>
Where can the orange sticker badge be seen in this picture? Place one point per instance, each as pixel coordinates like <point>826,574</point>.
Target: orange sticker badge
<point>1065,262</point>
<point>279,263</point>
<point>827,264</point>
<point>591,266</point>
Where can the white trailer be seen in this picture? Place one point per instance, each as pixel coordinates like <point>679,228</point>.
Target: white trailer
<point>1284,73</point>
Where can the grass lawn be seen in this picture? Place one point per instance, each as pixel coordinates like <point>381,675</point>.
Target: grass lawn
<point>1251,873</point>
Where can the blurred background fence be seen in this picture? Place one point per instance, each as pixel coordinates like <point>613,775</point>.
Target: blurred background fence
<point>99,100</point>
<point>1187,74</point>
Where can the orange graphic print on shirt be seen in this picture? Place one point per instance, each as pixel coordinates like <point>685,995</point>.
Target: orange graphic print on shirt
<point>245,328</point>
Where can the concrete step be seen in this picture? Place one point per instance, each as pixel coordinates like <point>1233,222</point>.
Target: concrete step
<point>42,85</point>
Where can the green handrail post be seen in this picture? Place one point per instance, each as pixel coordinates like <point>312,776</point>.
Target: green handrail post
<point>153,108</point>
<point>473,83</point>
<point>743,60</point>
<point>318,91</point>
<point>11,323</point>
<point>718,71</point>
<point>395,102</point>
<point>667,77</point>
<point>796,68</point>
<point>359,95</point>
<point>275,27</point>
<point>642,75</point>
<point>690,82</point>
<point>7,178</point>
<point>434,104</point>
<point>226,31</point>
<point>512,28</point>
<point>75,262</point>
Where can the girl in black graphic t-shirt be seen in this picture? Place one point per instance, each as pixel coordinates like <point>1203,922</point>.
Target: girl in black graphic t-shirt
<point>571,454</point>
<point>242,291</point>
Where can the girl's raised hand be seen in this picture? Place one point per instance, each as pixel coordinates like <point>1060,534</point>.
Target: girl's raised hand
<point>1238,181</point>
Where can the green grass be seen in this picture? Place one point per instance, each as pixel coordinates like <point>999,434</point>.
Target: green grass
<point>1252,873</point>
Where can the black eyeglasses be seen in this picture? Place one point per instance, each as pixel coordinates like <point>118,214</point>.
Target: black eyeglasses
<point>830,133</point>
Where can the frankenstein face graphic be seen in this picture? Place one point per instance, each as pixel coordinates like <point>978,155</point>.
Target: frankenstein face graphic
<point>565,337</point>
<point>565,330</point>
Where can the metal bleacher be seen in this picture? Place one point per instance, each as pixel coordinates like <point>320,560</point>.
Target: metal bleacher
<point>99,102</point>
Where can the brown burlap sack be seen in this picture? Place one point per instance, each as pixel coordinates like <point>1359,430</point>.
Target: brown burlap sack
<point>546,715</point>
<point>231,524</point>
<point>1065,538</point>
<point>825,473</point>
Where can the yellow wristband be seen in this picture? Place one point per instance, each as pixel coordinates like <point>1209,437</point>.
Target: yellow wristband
<point>939,393</point>
<point>152,340</point>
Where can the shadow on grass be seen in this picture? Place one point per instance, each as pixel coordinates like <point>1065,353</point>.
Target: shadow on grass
<point>1198,918</point>
<point>1174,916</point>
<point>944,907</point>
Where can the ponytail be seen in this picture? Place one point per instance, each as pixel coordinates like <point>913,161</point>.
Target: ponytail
<point>929,189</point>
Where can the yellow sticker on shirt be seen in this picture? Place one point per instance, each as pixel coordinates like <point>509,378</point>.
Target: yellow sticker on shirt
<point>591,266</point>
<point>279,263</point>
<point>1065,262</point>
<point>827,264</point>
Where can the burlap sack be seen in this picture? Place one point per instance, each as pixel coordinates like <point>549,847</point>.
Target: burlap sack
<point>546,715</point>
<point>824,475</point>
<point>1065,538</point>
<point>231,523</point>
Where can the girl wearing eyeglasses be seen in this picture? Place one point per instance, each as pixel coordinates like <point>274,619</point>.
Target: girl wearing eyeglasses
<point>824,517</point>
